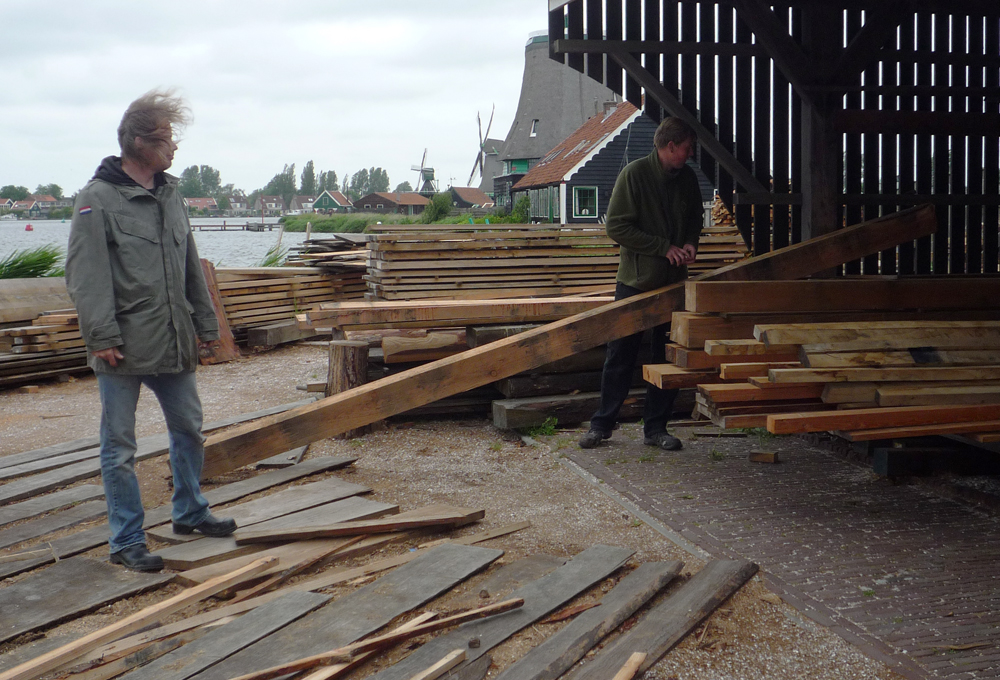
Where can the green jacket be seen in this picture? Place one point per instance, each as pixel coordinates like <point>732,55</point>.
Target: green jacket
<point>133,273</point>
<point>649,211</point>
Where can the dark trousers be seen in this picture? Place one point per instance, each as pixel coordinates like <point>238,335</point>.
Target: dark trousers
<point>616,380</point>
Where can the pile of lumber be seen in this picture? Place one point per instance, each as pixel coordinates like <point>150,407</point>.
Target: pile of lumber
<point>254,606</point>
<point>720,244</point>
<point>339,253</point>
<point>260,296</point>
<point>482,261</point>
<point>51,346</point>
<point>870,357</point>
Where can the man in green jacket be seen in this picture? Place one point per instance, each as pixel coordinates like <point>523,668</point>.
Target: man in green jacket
<point>133,273</point>
<point>655,215</point>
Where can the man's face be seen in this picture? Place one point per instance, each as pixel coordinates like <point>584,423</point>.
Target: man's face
<point>674,156</point>
<point>157,150</point>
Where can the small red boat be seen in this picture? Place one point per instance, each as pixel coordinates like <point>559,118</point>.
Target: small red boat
<point>28,227</point>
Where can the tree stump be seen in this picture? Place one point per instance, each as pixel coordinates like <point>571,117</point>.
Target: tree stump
<point>348,369</point>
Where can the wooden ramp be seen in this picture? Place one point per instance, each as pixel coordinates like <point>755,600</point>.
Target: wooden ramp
<point>425,384</point>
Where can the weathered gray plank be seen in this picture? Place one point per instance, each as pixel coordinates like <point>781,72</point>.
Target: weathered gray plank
<point>69,588</point>
<point>54,522</point>
<point>208,550</point>
<point>284,502</point>
<point>540,597</point>
<point>53,501</point>
<point>50,451</point>
<point>226,640</point>
<point>559,652</point>
<point>50,463</point>
<point>667,623</point>
<point>96,536</point>
<point>284,459</point>
<point>360,613</point>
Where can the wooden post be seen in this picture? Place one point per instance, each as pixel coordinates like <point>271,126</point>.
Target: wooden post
<point>348,369</point>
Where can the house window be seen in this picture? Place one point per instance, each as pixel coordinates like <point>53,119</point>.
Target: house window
<point>379,206</point>
<point>368,206</point>
<point>584,201</point>
<point>534,128</point>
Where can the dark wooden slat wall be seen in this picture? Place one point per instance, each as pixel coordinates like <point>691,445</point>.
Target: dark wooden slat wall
<point>944,62</point>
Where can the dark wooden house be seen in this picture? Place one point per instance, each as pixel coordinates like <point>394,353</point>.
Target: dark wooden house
<point>401,202</point>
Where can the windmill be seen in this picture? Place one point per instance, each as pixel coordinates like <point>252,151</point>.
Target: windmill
<point>426,184</point>
<point>481,156</point>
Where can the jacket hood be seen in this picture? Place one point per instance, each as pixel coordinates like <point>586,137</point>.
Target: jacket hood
<point>110,170</point>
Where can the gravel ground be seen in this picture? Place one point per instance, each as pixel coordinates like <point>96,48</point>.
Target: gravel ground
<point>469,463</point>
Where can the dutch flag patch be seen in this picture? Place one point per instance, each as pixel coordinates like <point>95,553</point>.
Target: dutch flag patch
<point>85,210</point>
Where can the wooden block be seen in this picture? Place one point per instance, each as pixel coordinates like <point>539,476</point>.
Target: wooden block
<point>430,516</point>
<point>668,376</point>
<point>278,333</point>
<point>745,392</point>
<point>700,359</point>
<point>763,457</point>
<point>866,419</point>
<point>742,371</point>
<point>432,346</point>
<point>754,348</point>
<point>511,414</point>
<point>28,389</point>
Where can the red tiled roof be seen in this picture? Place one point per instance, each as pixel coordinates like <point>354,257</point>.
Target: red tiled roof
<point>201,203</point>
<point>473,196</point>
<point>557,163</point>
<point>402,198</point>
<point>340,198</point>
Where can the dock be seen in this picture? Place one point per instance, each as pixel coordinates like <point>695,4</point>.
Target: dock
<point>248,226</point>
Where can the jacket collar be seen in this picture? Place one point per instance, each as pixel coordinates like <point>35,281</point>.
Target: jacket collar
<point>110,171</point>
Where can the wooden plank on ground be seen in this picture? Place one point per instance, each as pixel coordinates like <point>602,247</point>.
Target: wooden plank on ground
<point>831,295</point>
<point>50,451</point>
<point>41,526</point>
<point>53,501</point>
<point>667,623</point>
<point>288,458</point>
<point>558,653</point>
<point>208,550</point>
<point>226,640</point>
<point>68,589</point>
<point>77,648</point>
<point>870,418</point>
<point>541,597</point>
<point>294,499</point>
<point>476,367</point>
<point>360,612</point>
<point>431,516</point>
<point>509,414</point>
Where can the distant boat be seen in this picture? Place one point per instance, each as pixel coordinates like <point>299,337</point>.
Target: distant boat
<point>28,227</point>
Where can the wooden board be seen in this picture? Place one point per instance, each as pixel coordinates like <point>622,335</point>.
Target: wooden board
<point>226,640</point>
<point>509,414</point>
<point>541,597</point>
<point>50,451</point>
<point>668,376</point>
<point>558,653</point>
<point>749,348</point>
<point>744,392</point>
<point>901,374</point>
<point>925,396</point>
<point>830,295</point>
<point>916,356</point>
<point>742,371</point>
<point>904,432</point>
<point>49,463</point>
<point>479,366</point>
<point>68,589</point>
<point>862,334</point>
<point>667,623</point>
<point>700,359</point>
<point>869,418</point>
<point>225,348</point>
<point>294,499</point>
<point>440,516</point>
<point>64,519</point>
<point>208,550</point>
<point>53,501</point>
<point>360,612</point>
<point>24,299</point>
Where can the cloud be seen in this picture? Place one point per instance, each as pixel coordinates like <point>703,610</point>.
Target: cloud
<point>345,84</point>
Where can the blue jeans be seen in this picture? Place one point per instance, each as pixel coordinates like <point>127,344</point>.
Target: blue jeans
<point>616,379</point>
<point>178,397</point>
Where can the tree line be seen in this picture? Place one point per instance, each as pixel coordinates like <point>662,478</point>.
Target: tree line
<point>19,193</point>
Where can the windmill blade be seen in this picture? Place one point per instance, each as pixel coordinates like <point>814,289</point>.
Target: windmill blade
<point>423,161</point>
<point>478,165</point>
<point>482,141</point>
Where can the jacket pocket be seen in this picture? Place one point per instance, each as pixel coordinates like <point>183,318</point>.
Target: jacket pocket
<point>129,227</point>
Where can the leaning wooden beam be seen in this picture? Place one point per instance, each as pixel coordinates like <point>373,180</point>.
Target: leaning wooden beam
<point>476,367</point>
<point>73,650</point>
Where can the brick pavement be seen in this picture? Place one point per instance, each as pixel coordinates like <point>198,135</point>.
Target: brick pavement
<point>911,578</point>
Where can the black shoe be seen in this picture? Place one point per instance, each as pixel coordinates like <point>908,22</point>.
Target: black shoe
<point>137,558</point>
<point>593,438</point>
<point>665,441</point>
<point>210,526</point>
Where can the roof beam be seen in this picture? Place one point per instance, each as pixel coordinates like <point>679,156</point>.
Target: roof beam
<point>657,47</point>
<point>654,88</point>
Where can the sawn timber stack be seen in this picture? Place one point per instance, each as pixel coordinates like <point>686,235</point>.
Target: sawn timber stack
<point>482,365</point>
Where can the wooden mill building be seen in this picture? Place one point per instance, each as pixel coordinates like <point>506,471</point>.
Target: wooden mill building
<point>813,114</point>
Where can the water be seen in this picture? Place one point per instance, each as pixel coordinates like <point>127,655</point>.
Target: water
<point>222,248</point>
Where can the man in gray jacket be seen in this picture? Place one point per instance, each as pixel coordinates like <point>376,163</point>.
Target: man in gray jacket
<point>133,273</point>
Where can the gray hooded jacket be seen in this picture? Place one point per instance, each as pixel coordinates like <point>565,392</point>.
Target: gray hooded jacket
<point>133,273</point>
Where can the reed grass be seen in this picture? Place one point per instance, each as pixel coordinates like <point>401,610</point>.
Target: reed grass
<point>32,263</point>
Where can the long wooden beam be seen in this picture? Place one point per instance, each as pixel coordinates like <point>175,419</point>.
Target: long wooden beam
<point>482,365</point>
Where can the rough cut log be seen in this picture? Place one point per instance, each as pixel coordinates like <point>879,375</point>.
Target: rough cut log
<point>430,382</point>
<point>348,368</point>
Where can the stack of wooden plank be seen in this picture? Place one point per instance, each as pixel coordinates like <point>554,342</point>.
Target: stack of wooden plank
<point>339,253</point>
<point>874,358</point>
<point>50,346</point>
<point>482,261</point>
<point>720,244</point>
<point>258,296</point>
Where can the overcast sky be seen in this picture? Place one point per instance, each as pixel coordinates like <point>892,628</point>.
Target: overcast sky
<point>344,83</point>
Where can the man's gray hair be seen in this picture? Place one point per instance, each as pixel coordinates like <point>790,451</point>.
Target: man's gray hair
<point>146,114</point>
<point>673,130</point>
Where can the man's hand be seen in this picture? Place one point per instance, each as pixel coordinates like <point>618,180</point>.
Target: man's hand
<point>689,250</point>
<point>111,355</point>
<point>206,345</point>
<point>678,256</point>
